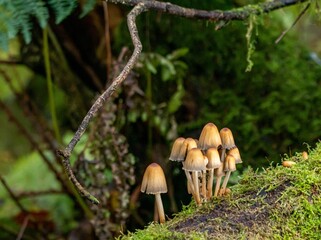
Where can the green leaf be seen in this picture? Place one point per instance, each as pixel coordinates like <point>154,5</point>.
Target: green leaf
<point>177,54</point>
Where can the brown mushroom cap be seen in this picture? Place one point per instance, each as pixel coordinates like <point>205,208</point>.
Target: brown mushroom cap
<point>229,163</point>
<point>214,160</point>
<point>195,161</point>
<point>176,149</point>
<point>236,154</point>
<point>218,172</point>
<point>209,137</point>
<point>227,138</point>
<point>154,180</point>
<point>188,144</point>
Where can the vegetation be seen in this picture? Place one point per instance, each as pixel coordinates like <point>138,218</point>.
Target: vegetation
<point>277,203</point>
<point>60,55</point>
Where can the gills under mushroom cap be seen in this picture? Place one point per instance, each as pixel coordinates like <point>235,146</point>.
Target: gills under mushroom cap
<point>154,181</point>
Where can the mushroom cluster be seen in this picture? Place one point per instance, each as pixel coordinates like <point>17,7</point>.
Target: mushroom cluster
<point>213,154</point>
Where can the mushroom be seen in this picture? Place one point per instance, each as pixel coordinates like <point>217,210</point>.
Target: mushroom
<point>188,144</point>
<point>176,150</point>
<point>236,154</point>
<point>178,153</point>
<point>213,163</point>
<point>154,182</point>
<point>288,163</point>
<point>227,141</point>
<point>229,166</point>
<point>209,137</point>
<point>195,163</point>
<point>305,155</point>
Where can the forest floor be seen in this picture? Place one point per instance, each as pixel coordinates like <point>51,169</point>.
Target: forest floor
<point>277,203</point>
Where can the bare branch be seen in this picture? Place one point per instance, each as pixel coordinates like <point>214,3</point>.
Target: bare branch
<point>65,154</point>
<point>214,15</point>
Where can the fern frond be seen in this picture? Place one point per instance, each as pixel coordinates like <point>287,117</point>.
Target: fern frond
<point>62,8</point>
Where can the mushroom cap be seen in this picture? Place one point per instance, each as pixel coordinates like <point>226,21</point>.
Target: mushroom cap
<point>154,181</point>
<point>305,155</point>
<point>236,154</point>
<point>229,163</point>
<point>176,149</point>
<point>209,137</point>
<point>195,161</point>
<point>188,144</point>
<point>227,138</point>
<point>214,160</point>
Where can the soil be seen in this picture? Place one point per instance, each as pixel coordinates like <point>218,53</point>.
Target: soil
<point>229,218</point>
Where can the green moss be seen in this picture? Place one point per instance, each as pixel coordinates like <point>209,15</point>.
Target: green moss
<point>278,203</point>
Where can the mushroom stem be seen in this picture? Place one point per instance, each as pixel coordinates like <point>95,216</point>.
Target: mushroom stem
<point>226,178</point>
<point>217,186</point>
<point>223,154</point>
<point>160,208</point>
<point>155,212</point>
<point>191,184</point>
<point>210,184</point>
<point>204,184</point>
<point>196,187</point>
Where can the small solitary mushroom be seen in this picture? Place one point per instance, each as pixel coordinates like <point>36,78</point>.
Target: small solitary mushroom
<point>305,155</point>
<point>154,182</point>
<point>209,137</point>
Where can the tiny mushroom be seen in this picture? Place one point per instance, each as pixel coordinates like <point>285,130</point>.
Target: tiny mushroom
<point>195,163</point>
<point>210,137</point>
<point>288,163</point>
<point>227,141</point>
<point>154,182</point>
<point>305,155</point>
<point>213,163</point>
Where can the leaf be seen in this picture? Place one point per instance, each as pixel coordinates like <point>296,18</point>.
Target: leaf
<point>176,100</point>
<point>177,54</point>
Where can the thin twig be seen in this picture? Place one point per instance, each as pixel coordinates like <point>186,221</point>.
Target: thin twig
<point>23,228</point>
<point>32,194</point>
<point>214,15</point>
<point>293,24</point>
<point>12,195</point>
<point>65,154</point>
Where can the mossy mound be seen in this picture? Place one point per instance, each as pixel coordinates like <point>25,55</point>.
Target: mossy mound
<point>278,203</point>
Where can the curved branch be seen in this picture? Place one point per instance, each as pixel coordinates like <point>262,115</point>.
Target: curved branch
<point>214,15</point>
<point>65,154</point>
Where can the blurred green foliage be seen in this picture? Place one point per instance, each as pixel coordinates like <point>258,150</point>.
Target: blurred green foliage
<point>273,109</point>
